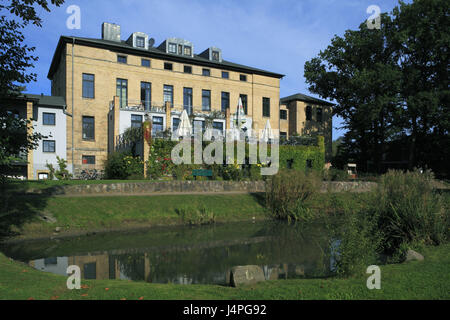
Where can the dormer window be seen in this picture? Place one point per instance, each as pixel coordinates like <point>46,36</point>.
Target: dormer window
<point>187,51</point>
<point>172,48</point>
<point>140,42</point>
<point>215,55</point>
<point>180,49</point>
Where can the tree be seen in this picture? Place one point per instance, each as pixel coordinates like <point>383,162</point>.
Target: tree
<point>390,84</point>
<point>15,60</point>
<point>359,72</point>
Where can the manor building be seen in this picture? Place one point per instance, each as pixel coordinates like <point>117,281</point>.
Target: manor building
<point>108,85</point>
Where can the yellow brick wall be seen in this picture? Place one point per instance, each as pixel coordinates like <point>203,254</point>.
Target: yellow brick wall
<point>103,64</point>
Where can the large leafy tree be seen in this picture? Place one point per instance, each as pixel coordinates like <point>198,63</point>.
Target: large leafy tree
<point>15,60</point>
<point>390,84</point>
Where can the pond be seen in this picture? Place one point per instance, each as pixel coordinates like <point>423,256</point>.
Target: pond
<point>186,255</point>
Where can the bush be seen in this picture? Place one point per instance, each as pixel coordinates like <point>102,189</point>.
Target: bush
<point>121,165</point>
<point>196,216</point>
<point>409,210</point>
<point>287,194</point>
<point>336,175</point>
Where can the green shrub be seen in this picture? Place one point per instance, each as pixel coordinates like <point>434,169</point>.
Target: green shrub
<point>196,216</point>
<point>121,165</point>
<point>409,210</point>
<point>336,175</point>
<point>287,194</point>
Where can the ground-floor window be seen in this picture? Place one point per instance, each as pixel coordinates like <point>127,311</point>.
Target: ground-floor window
<point>88,159</point>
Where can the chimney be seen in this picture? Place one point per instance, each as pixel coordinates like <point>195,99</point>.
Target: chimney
<point>111,32</point>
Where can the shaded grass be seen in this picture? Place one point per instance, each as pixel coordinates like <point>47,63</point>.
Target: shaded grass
<point>429,279</point>
<point>82,214</point>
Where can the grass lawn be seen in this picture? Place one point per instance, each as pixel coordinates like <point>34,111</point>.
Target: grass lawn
<point>429,279</point>
<point>80,214</point>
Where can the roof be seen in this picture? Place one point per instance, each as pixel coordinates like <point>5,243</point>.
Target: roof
<point>50,101</point>
<point>123,47</point>
<point>305,98</point>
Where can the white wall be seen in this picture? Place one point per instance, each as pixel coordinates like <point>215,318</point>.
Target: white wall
<point>57,132</point>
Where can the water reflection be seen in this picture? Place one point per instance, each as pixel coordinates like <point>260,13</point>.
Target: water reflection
<point>202,255</point>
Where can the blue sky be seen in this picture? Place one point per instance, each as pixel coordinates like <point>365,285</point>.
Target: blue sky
<point>275,35</point>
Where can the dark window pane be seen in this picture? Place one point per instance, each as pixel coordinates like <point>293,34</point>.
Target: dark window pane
<point>90,271</point>
<point>215,55</point>
<point>49,146</point>
<point>218,126</point>
<point>146,94</point>
<point>283,114</point>
<point>49,119</point>
<point>319,114</point>
<point>122,59</point>
<point>168,94</point>
<point>187,69</point>
<point>168,66</point>
<point>122,92</point>
<point>225,101</point>
<point>266,107</point>
<point>88,159</point>
<point>225,74</point>
<point>158,124</point>
<point>244,99</point>
<point>206,100</point>
<point>187,100</point>
<point>145,63</point>
<point>243,77</point>
<point>309,164</point>
<point>175,123</point>
<point>88,128</point>
<point>140,42</point>
<point>88,86</point>
<point>136,121</point>
<point>308,113</point>
<point>206,72</point>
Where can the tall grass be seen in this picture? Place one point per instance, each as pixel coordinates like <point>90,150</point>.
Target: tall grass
<point>409,210</point>
<point>192,215</point>
<point>288,192</point>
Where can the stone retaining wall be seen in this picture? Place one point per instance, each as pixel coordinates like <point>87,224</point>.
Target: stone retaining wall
<point>157,187</point>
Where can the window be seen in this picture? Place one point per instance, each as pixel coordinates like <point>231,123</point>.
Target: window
<point>168,66</point>
<point>88,128</point>
<point>122,59</point>
<point>199,126</point>
<point>90,271</point>
<point>243,77</point>
<point>215,55</point>
<point>88,159</point>
<point>122,92</point>
<point>206,72</point>
<point>180,49</point>
<point>175,123</point>
<point>206,100</point>
<point>225,75</point>
<point>145,63</point>
<point>319,114</point>
<point>146,95</point>
<point>43,176</point>
<point>309,164</point>
<point>266,107</point>
<point>48,119</point>
<point>290,163</point>
<point>244,99</point>
<point>88,86</point>
<point>218,126</point>
<point>140,42</point>
<point>308,113</point>
<point>158,125</point>
<point>225,101</point>
<point>187,69</point>
<point>187,100</point>
<point>168,94</point>
<point>136,121</point>
<point>283,114</point>
<point>49,145</point>
<point>172,48</point>
<point>187,51</point>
